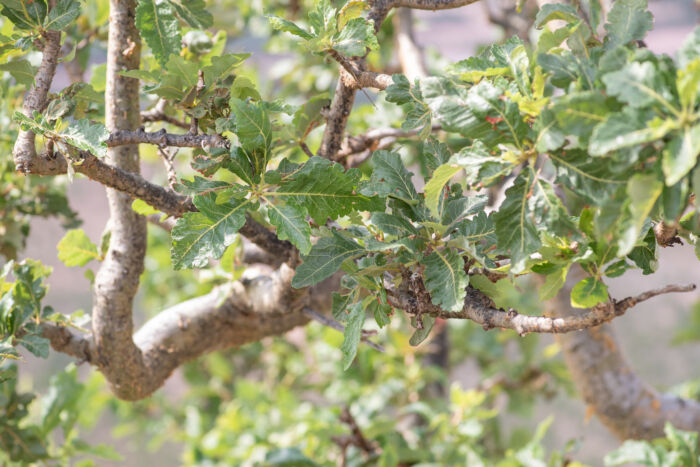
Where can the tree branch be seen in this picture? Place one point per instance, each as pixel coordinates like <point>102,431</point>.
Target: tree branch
<point>623,402</point>
<point>478,307</point>
<point>24,151</point>
<point>163,138</point>
<point>157,114</point>
<point>331,323</point>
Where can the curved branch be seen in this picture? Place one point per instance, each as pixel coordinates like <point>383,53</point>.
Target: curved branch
<point>623,402</point>
<point>24,151</point>
<point>158,114</point>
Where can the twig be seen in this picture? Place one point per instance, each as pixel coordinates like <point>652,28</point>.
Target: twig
<point>157,114</point>
<point>165,139</point>
<point>478,307</point>
<point>169,166</point>
<point>331,323</point>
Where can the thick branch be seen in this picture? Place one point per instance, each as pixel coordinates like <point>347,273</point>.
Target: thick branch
<point>623,402</point>
<point>163,138</point>
<point>117,280</point>
<point>24,151</point>
<point>410,55</point>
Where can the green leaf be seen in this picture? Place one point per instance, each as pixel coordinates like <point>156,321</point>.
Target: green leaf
<point>588,293</point>
<point>392,224</point>
<point>37,345</point>
<point>518,236</point>
<point>592,178</point>
<point>281,24</point>
<point>352,334</point>
<point>390,178</point>
<point>681,154</point>
<point>642,190</point>
<point>434,188</point>
<point>445,279</point>
<point>481,166</point>
<point>628,20</point>
<point>87,136</point>
<point>291,225</point>
<point>688,82</point>
<point>637,84</point>
<point>579,113</point>
<point>76,249</point>
<point>351,10</point>
<point>641,452</point>
<point>508,59</point>
<point>420,335</point>
<point>556,11</point>
<point>194,12</point>
<point>325,190</point>
<point>683,442</point>
<point>356,37</point>
<point>553,282</point>
<point>25,14</point>
<point>62,396</point>
<point>222,66</point>
<point>159,28</point>
<point>625,129</point>
<point>21,70</point>
<point>254,132</point>
<point>199,236</point>
<point>418,113</point>
<point>309,115</point>
<point>324,259</point>
<point>139,206</point>
<point>61,15</point>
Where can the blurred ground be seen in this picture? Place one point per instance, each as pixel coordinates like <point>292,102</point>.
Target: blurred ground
<point>645,332</point>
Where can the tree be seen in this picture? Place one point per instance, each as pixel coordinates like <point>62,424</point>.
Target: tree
<point>559,163</point>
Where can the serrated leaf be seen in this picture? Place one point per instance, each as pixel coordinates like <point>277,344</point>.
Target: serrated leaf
<point>681,154</point>
<point>352,334</point>
<point>37,345</point>
<point>445,279</point>
<point>21,70</point>
<point>392,224</point>
<point>194,12</point>
<point>355,38</point>
<point>62,14</point>
<point>159,28</point>
<point>459,208</point>
<point>87,136</point>
<point>390,177</point>
<point>625,129</point>
<point>325,190</point>
<point>222,66</point>
<point>518,236</point>
<point>508,59</point>
<point>324,259</point>
<point>637,84</point>
<point>688,83</point>
<point>481,166</point>
<point>628,20</point>
<point>25,14</point>
<point>281,24</point>
<point>434,188</point>
<point>351,10</point>
<point>76,249</point>
<point>418,113</point>
<point>199,236</point>
<point>579,113</point>
<point>291,225</point>
<point>556,11</point>
<point>592,178</point>
<point>254,132</point>
<point>588,293</point>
